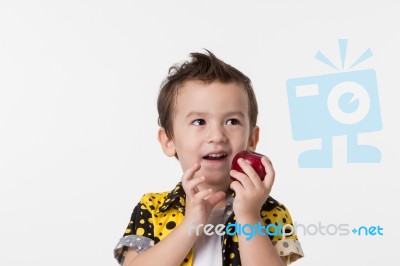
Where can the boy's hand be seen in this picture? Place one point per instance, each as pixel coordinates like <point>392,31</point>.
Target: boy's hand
<point>251,192</point>
<point>199,204</point>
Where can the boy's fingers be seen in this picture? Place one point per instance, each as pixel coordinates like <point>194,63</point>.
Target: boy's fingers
<point>189,173</point>
<point>187,177</point>
<point>266,162</point>
<point>250,172</point>
<point>201,195</point>
<point>242,178</point>
<point>270,176</point>
<point>193,183</point>
<point>217,197</point>
<point>236,186</point>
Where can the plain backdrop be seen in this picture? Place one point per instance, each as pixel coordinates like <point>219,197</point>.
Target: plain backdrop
<point>78,121</point>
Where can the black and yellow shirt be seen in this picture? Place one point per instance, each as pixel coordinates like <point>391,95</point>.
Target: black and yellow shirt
<point>157,214</point>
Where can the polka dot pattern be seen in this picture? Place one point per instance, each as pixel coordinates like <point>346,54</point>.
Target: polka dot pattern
<point>290,248</point>
<point>158,214</point>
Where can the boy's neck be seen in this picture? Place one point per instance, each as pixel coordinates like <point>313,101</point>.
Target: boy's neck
<point>221,204</point>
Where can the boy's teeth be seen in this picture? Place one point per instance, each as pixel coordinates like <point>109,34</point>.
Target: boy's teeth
<point>216,156</point>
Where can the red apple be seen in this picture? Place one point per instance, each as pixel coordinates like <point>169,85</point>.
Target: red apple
<point>253,158</point>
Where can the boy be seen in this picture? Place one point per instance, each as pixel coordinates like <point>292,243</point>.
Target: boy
<point>207,114</point>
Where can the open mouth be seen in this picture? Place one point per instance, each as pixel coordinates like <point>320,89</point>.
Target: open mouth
<point>215,156</point>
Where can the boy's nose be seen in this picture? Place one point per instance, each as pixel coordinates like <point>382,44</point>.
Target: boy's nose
<point>217,135</point>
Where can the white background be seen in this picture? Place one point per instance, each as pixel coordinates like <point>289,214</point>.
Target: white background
<point>78,121</point>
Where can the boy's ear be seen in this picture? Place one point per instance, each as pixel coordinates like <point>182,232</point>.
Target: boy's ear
<point>166,143</point>
<point>253,139</point>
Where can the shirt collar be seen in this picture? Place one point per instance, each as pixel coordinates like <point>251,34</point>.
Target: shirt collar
<point>176,198</point>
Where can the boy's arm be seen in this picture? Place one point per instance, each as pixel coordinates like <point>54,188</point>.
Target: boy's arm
<point>259,249</point>
<point>170,251</point>
<point>173,249</point>
<point>251,193</point>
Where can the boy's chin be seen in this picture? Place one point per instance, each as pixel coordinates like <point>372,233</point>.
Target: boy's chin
<point>216,173</point>
<point>216,167</point>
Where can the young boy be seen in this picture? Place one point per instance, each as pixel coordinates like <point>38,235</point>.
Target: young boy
<point>207,114</point>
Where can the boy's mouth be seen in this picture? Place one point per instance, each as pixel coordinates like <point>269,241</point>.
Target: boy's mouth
<point>215,156</point>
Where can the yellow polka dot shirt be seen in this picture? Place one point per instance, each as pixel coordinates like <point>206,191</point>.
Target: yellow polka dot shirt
<point>157,214</point>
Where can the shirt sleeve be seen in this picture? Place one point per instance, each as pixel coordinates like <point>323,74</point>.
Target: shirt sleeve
<point>282,233</point>
<point>139,234</point>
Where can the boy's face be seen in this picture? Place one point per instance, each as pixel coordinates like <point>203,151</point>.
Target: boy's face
<point>210,126</point>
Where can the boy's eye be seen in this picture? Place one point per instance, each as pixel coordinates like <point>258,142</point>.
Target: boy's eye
<point>199,122</point>
<point>232,122</point>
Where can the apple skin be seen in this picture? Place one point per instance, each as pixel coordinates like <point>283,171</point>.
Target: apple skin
<point>251,157</point>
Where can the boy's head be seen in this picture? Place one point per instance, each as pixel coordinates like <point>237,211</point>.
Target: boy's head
<point>206,68</point>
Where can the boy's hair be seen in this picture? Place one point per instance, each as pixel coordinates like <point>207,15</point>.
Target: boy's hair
<point>203,67</point>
